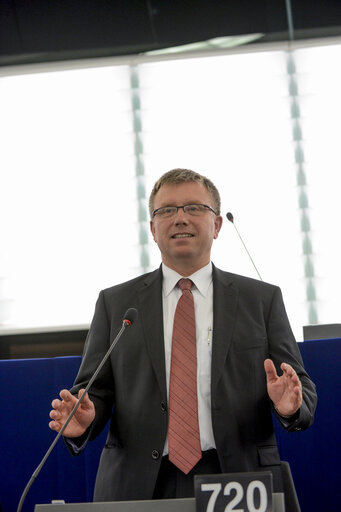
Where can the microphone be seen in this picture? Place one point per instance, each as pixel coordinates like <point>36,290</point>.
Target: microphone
<point>231,219</point>
<point>129,318</point>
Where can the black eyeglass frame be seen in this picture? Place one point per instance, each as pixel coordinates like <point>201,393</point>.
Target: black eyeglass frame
<point>154,212</point>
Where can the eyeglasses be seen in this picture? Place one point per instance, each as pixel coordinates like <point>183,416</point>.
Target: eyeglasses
<point>192,209</point>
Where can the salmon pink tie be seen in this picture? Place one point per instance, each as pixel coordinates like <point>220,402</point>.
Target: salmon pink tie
<point>183,428</point>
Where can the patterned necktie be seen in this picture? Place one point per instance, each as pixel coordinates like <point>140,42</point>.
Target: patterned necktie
<point>183,429</point>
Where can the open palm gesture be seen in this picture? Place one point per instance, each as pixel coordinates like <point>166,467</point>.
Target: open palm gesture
<point>285,391</point>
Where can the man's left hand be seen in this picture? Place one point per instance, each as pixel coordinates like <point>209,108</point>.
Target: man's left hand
<point>284,391</point>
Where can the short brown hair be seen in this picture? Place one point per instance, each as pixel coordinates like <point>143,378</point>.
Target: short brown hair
<point>176,176</point>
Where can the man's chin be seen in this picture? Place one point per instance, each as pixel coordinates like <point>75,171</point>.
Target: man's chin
<point>184,253</point>
<point>184,257</point>
<point>178,257</point>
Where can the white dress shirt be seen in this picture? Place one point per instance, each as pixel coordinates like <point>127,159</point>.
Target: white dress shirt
<point>203,305</point>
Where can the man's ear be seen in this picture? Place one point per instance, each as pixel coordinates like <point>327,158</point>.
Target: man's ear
<point>218,223</point>
<point>152,229</point>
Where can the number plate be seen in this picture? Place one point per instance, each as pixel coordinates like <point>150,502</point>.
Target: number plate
<point>234,492</point>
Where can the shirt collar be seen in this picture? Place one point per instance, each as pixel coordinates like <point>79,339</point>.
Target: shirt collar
<point>202,279</point>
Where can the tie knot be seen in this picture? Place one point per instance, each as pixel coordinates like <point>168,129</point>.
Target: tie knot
<point>185,284</point>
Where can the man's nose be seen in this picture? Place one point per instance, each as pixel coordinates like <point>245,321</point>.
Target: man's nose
<point>180,216</point>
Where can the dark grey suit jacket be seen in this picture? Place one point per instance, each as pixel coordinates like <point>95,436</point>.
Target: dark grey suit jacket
<point>249,325</point>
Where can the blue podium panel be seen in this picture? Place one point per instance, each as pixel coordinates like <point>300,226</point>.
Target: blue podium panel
<point>28,386</point>
<point>314,454</point>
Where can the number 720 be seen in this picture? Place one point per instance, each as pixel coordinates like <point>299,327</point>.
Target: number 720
<point>254,485</point>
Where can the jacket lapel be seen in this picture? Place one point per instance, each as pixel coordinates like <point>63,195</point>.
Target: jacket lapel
<point>150,305</point>
<point>225,301</point>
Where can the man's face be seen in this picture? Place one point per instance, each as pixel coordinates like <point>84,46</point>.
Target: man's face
<point>185,241</point>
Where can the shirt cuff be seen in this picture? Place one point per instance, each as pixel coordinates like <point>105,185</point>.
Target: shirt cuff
<point>77,444</point>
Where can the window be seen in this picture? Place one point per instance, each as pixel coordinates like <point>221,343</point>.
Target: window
<point>82,148</point>
<point>67,176</point>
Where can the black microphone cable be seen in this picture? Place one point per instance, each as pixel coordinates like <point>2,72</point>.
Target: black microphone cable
<point>128,319</point>
<point>231,219</point>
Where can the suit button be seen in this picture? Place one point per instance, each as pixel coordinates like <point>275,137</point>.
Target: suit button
<point>163,407</point>
<point>155,454</point>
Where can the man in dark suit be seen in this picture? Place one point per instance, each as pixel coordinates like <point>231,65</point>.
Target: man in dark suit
<point>248,362</point>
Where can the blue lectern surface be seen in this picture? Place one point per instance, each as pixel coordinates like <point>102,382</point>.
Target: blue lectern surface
<point>28,386</point>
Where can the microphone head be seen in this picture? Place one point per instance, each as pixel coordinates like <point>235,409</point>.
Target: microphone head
<point>130,316</point>
<point>230,216</point>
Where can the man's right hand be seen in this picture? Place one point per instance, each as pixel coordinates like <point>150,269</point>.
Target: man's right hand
<point>82,419</point>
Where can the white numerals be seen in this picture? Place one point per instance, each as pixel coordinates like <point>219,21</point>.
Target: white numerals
<point>215,488</point>
<point>253,487</point>
<point>250,496</point>
<point>234,486</point>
